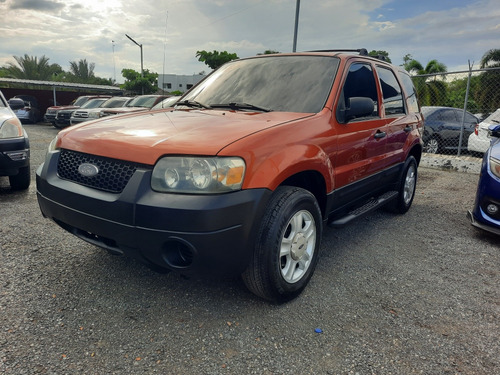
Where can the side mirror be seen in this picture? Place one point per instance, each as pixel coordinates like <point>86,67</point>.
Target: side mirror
<point>359,107</point>
<point>16,104</point>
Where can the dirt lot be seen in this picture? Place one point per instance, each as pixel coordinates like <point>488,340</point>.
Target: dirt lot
<point>412,294</point>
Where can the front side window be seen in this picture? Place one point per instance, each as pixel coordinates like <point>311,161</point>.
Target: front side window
<point>279,83</point>
<point>359,84</point>
<point>393,98</point>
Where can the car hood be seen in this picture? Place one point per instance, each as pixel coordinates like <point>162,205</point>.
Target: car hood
<point>5,114</point>
<point>59,107</point>
<point>495,150</point>
<point>125,110</point>
<point>144,138</point>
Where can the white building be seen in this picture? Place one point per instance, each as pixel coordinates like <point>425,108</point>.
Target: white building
<point>174,82</point>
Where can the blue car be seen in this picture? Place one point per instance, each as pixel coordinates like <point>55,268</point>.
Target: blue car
<point>486,211</point>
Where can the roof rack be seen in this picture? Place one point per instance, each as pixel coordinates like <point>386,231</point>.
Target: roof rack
<point>361,51</point>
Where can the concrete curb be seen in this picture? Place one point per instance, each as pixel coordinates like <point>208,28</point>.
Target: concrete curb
<point>464,164</point>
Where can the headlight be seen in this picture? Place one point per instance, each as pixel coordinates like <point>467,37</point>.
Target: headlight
<point>11,128</point>
<point>495,166</point>
<point>52,145</point>
<point>94,114</point>
<point>198,175</point>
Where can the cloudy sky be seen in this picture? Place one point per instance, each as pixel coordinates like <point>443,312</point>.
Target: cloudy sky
<point>171,31</point>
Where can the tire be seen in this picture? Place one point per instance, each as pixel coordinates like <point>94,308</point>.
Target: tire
<point>432,146</point>
<point>21,181</point>
<point>287,248</point>
<point>406,189</point>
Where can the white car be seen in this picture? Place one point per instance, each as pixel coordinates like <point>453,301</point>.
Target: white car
<point>93,113</point>
<point>479,140</point>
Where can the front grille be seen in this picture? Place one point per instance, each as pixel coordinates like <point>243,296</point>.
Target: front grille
<point>113,174</point>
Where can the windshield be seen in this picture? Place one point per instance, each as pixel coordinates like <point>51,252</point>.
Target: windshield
<point>94,103</point>
<point>80,101</point>
<point>142,101</point>
<point>115,102</point>
<point>493,118</point>
<point>277,83</point>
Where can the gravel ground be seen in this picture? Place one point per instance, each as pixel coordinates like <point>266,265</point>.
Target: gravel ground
<point>411,294</point>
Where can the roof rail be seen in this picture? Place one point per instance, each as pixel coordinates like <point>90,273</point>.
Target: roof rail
<point>361,51</point>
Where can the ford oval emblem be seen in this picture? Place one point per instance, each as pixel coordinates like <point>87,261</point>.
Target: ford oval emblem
<point>88,170</point>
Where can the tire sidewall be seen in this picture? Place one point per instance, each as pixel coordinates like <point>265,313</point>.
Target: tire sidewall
<point>402,205</point>
<point>273,231</point>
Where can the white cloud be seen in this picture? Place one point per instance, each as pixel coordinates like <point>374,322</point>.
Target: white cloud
<point>171,31</point>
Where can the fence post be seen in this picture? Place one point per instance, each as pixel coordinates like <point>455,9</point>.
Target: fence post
<point>465,109</point>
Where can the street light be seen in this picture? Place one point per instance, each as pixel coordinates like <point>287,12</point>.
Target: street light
<point>142,68</point>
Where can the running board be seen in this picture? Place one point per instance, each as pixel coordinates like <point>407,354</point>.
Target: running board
<point>369,206</point>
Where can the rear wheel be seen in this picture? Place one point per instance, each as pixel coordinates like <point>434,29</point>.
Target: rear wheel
<point>287,247</point>
<point>406,190</point>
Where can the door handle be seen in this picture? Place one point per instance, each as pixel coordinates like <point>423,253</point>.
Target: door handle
<point>380,134</point>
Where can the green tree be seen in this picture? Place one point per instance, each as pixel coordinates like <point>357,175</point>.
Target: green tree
<point>488,97</point>
<point>82,71</point>
<point>29,67</point>
<point>215,59</point>
<point>268,52</point>
<point>385,54</point>
<point>430,90</point>
<point>137,84</point>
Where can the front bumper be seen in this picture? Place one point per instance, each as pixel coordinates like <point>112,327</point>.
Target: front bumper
<point>191,234</point>
<point>14,155</point>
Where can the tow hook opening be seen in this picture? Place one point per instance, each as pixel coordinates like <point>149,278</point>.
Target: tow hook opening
<point>178,254</point>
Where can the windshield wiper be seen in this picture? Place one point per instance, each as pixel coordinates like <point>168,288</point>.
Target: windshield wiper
<point>193,103</point>
<point>237,106</point>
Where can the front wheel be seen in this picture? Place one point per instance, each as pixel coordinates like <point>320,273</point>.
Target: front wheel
<point>432,146</point>
<point>287,248</point>
<point>21,181</point>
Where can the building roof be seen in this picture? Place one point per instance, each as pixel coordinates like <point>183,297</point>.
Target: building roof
<point>60,84</point>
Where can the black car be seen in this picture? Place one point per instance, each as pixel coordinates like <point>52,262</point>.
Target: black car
<point>443,126</point>
<point>14,147</point>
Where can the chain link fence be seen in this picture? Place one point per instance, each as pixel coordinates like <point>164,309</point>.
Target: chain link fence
<point>457,108</point>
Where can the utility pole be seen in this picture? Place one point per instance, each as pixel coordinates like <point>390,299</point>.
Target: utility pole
<point>297,9</point>
<point>142,67</point>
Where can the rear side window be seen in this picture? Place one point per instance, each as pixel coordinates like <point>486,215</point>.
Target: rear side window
<point>393,98</point>
<point>411,96</point>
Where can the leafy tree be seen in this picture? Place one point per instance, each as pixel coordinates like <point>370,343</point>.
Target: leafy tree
<point>385,54</point>
<point>29,67</point>
<point>82,71</point>
<point>488,96</point>
<point>268,52</point>
<point>137,84</point>
<point>430,90</point>
<point>215,59</point>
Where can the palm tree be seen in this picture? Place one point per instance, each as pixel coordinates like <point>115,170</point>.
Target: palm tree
<point>29,67</point>
<point>82,70</point>
<point>488,96</point>
<point>429,90</point>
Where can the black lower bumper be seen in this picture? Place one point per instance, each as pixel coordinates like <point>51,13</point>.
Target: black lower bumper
<point>191,234</point>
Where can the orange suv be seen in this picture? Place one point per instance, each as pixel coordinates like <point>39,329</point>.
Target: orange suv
<point>243,173</point>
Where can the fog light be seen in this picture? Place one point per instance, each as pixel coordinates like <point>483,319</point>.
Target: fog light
<point>492,209</point>
<point>18,155</point>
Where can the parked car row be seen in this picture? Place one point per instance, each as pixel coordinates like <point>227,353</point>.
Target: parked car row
<point>97,107</point>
